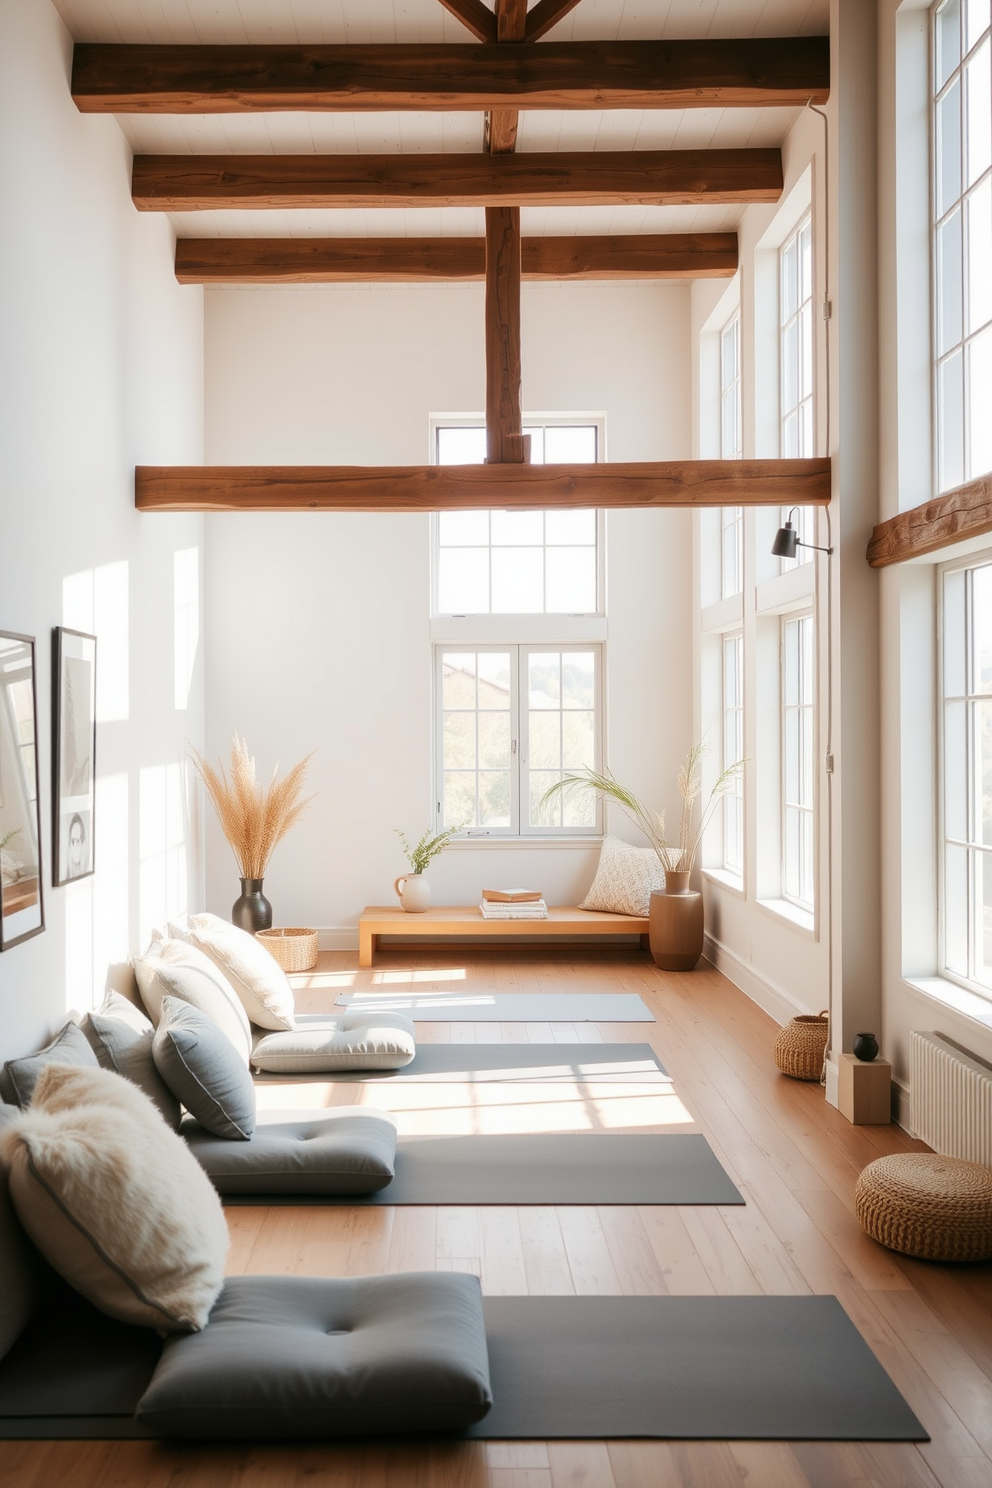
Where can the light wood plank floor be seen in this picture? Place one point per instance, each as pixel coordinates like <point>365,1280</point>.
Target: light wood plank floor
<point>795,1159</point>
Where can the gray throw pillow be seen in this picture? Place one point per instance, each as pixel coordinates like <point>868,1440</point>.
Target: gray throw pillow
<point>121,1038</point>
<point>69,1046</point>
<point>201,1066</point>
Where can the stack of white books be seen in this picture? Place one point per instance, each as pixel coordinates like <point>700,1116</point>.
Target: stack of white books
<point>513,904</point>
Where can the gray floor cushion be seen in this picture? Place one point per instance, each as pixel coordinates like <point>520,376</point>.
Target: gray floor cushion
<point>366,1040</point>
<point>293,1357</point>
<point>349,1150</point>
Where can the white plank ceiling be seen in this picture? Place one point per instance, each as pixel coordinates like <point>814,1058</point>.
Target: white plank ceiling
<point>355,21</point>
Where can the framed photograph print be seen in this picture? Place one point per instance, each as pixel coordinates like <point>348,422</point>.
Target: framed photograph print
<point>73,753</point>
<point>21,909</point>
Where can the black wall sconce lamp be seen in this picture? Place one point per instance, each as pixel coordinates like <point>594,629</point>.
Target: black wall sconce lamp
<point>787,541</point>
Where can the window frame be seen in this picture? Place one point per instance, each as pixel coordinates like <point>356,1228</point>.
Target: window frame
<point>733,801</point>
<point>518,651</point>
<point>972,848</point>
<point>559,618</point>
<point>960,204</point>
<point>803,518</point>
<point>807,755</point>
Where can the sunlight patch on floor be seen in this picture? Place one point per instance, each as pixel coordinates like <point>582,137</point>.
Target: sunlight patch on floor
<point>493,1108</point>
<point>407,978</point>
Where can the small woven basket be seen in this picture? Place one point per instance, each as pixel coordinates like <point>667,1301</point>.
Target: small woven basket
<point>801,1046</point>
<point>922,1204</point>
<point>294,949</point>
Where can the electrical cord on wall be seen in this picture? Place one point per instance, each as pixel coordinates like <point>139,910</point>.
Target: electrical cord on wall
<point>829,751</point>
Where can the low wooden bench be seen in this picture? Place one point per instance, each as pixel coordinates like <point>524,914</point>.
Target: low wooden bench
<point>466,920</point>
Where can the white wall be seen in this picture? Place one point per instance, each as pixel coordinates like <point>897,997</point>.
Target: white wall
<point>318,626</point>
<point>101,365</point>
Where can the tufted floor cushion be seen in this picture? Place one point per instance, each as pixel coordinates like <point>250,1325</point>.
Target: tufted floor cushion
<point>353,1041</point>
<point>347,1150</point>
<point>291,1357</point>
<point>926,1205</point>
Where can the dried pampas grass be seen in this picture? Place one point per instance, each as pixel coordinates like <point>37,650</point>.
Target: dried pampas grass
<point>253,818</point>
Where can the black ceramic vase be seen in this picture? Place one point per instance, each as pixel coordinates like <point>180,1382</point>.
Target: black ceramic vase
<point>252,911</point>
<point>865,1046</point>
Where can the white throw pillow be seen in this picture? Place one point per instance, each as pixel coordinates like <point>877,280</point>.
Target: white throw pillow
<point>255,975</point>
<point>116,1201</point>
<point>625,878</point>
<point>172,968</point>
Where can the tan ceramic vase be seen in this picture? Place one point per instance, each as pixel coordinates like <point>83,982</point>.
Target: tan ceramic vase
<point>675,924</point>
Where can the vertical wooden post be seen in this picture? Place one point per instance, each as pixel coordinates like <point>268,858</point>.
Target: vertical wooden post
<point>505,443</point>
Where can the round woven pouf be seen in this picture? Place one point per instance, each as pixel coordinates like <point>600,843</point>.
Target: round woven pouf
<point>922,1204</point>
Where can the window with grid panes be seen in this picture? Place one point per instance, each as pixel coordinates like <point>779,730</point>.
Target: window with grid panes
<point>731,448</point>
<point>966,768</point>
<point>962,240</point>
<point>733,750</point>
<point>513,719</point>
<point>797,760</point>
<point>796,367</point>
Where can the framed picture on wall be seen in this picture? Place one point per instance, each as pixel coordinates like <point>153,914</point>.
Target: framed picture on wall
<point>73,753</point>
<point>21,909</point>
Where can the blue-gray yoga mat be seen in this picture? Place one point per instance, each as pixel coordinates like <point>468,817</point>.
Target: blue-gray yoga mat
<point>503,1007</point>
<point>611,1064</point>
<point>542,1168</point>
<point>600,1368</point>
<point>743,1368</point>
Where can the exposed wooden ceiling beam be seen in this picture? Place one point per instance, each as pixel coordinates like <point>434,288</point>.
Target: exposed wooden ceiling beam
<point>500,134</point>
<point>546,13</point>
<point>504,426</point>
<point>511,20</point>
<point>398,260</point>
<point>666,483</point>
<point>964,512</point>
<point>114,79</point>
<point>477,17</point>
<point>190,183</point>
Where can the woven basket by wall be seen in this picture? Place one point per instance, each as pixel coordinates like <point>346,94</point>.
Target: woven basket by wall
<point>294,949</point>
<point>800,1047</point>
<point>922,1204</point>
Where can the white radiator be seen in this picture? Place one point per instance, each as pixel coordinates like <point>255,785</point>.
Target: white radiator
<point>951,1092</point>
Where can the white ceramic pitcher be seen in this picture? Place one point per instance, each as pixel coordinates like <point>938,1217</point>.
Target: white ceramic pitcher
<point>414,892</point>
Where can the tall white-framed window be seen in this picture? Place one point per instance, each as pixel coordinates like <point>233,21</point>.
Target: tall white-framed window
<point>962,239</point>
<point>796,433</point>
<point>519,562</point>
<point>511,721</point>
<point>966,772</point>
<point>731,448</point>
<point>518,607</point>
<point>733,750</point>
<point>798,723</point>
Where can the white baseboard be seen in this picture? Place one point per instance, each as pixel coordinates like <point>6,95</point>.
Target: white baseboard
<point>337,937</point>
<point>773,999</point>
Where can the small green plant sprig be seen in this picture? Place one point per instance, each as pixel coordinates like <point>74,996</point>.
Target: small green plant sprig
<point>428,847</point>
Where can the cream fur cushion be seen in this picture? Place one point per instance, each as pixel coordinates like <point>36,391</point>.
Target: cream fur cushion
<point>116,1201</point>
<point>173,968</point>
<point>256,977</point>
<point>624,879</point>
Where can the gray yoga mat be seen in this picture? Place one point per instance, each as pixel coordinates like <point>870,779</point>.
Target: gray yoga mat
<point>542,1168</point>
<point>613,1064</point>
<point>600,1368</point>
<point>503,1007</point>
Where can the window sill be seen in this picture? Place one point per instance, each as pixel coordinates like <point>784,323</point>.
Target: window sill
<point>959,999</point>
<point>726,880</point>
<point>791,914</point>
<point>473,844</point>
